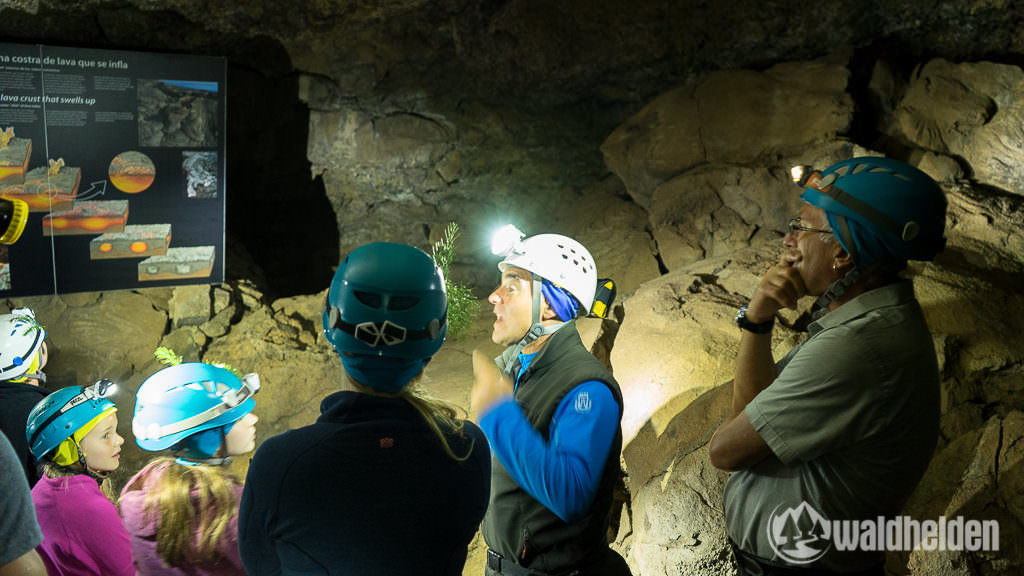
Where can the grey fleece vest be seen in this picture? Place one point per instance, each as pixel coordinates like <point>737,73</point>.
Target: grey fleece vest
<point>516,525</point>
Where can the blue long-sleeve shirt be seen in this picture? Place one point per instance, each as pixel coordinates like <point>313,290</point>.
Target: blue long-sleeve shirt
<point>563,473</point>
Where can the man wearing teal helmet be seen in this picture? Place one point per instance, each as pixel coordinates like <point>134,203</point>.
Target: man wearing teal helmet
<point>387,481</point>
<point>842,427</point>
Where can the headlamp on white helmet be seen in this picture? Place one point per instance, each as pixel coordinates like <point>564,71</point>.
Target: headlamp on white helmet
<point>505,240</point>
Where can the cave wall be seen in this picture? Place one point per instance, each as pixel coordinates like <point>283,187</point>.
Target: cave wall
<point>401,115</point>
<point>657,133</point>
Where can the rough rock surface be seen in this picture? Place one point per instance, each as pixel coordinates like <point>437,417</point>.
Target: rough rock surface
<point>678,338</point>
<point>402,115</point>
<point>973,111</point>
<point>677,520</point>
<point>730,117</point>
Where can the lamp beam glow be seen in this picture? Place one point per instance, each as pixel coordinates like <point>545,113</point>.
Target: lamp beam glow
<point>505,239</point>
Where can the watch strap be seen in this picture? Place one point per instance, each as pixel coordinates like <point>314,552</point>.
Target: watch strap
<point>755,327</point>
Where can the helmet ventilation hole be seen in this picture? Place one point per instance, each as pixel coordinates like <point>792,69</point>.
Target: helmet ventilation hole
<point>368,298</point>
<point>402,302</point>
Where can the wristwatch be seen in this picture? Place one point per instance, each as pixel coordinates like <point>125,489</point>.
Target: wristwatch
<point>755,327</point>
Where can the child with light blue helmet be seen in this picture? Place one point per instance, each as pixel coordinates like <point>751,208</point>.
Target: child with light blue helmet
<point>181,510</point>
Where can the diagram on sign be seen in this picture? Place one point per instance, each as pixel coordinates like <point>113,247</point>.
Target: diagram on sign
<point>120,158</point>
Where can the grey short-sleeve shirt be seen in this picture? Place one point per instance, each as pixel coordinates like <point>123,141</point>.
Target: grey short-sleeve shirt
<point>19,531</point>
<point>851,419</point>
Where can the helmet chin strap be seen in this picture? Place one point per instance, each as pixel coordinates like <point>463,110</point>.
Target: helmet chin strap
<point>96,475</point>
<point>186,460</point>
<point>203,461</point>
<point>507,361</point>
<point>36,375</point>
<point>839,288</point>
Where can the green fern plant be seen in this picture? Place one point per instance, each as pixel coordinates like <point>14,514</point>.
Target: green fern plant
<point>167,356</point>
<point>463,308</point>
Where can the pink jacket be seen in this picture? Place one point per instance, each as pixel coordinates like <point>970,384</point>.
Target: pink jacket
<point>142,528</point>
<point>82,532</point>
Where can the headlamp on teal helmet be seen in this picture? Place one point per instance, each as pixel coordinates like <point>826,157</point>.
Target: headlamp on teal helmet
<point>386,313</point>
<point>58,416</point>
<point>883,211</point>
<point>190,407</point>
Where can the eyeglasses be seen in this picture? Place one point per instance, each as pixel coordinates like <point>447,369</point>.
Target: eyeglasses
<point>796,226</point>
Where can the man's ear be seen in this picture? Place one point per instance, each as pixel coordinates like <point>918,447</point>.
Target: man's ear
<point>842,261</point>
<point>546,313</point>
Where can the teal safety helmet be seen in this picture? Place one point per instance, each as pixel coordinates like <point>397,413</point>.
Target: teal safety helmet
<point>884,212</point>
<point>386,313</point>
<point>58,416</point>
<point>190,407</point>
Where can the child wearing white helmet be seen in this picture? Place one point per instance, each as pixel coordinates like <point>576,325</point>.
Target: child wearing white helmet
<point>73,433</point>
<point>181,510</point>
<point>23,356</point>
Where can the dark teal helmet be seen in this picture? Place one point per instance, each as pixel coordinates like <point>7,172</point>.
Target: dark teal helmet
<point>884,212</point>
<point>386,313</point>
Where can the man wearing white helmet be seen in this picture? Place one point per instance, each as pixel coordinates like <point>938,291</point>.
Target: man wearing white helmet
<point>551,415</point>
<point>22,358</point>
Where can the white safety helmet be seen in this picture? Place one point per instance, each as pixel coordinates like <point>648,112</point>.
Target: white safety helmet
<point>21,338</point>
<point>555,258</point>
<point>558,259</point>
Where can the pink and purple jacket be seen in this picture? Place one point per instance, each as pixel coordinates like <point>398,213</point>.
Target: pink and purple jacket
<point>82,531</point>
<point>142,527</point>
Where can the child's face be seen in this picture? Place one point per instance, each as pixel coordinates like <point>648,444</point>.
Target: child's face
<point>241,439</point>
<point>102,445</point>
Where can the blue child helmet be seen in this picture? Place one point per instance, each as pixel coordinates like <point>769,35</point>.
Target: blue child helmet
<point>182,402</point>
<point>883,211</point>
<point>58,416</point>
<point>386,313</point>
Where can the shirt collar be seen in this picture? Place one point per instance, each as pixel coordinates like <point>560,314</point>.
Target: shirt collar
<point>890,295</point>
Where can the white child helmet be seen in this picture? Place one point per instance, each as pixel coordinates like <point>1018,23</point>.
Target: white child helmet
<point>21,338</point>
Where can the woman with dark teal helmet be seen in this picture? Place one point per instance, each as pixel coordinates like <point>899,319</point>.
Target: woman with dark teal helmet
<point>387,481</point>
<point>181,510</point>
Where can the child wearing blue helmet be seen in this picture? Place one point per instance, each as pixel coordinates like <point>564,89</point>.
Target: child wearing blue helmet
<point>386,481</point>
<point>181,511</point>
<point>73,433</point>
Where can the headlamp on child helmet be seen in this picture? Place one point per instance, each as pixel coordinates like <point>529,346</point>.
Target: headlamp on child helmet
<point>58,416</point>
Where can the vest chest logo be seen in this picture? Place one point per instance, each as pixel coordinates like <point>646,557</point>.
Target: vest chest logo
<point>582,403</point>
